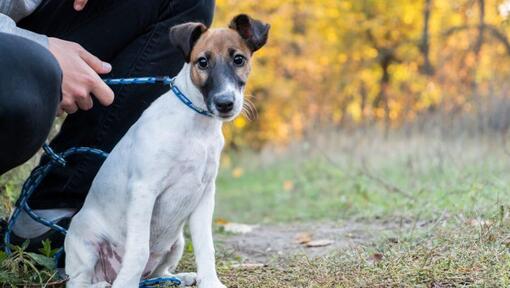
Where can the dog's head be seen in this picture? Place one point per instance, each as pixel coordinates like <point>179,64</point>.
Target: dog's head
<point>220,60</point>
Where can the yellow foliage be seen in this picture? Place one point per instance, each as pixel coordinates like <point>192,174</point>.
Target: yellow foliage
<point>324,62</point>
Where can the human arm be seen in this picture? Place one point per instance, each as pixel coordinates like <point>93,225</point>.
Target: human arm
<point>80,68</point>
<point>7,25</point>
<point>80,76</point>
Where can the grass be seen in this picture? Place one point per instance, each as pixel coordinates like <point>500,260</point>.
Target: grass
<point>413,177</point>
<point>468,256</point>
<point>454,192</point>
<point>461,186</point>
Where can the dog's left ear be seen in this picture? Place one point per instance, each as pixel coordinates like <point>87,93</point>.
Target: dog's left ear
<point>254,32</point>
<point>184,36</point>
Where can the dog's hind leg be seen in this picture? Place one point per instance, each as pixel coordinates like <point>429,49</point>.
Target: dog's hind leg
<point>170,261</point>
<point>172,258</point>
<point>81,258</point>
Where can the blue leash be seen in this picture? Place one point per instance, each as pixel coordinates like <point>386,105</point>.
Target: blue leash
<point>160,80</point>
<point>59,159</point>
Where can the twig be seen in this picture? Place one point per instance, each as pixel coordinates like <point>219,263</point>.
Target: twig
<point>388,186</point>
<point>364,171</point>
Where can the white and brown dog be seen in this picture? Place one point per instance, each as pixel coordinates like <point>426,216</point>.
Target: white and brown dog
<point>162,172</point>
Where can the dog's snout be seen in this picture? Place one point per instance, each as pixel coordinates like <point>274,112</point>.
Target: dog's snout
<point>224,103</point>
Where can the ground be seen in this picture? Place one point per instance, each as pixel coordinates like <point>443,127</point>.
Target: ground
<point>426,210</point>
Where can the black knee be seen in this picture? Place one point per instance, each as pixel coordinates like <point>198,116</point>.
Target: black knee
<point>30,90</point>
<point>29,68</point>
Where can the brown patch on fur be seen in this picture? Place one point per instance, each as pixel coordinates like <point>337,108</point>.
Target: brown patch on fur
<point>217,44</point>
<point>108,264</point>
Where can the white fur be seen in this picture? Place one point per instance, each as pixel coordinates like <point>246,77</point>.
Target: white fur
<point>160,175</point>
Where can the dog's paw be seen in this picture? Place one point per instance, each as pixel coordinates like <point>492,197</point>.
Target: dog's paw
<point>101,285</point>
<point>187,279</point>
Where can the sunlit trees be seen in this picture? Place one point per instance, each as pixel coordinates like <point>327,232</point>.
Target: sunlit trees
<point>371,62</point>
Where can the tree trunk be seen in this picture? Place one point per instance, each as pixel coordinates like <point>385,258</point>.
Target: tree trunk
<point>474,85</point>
<point>427,67</point>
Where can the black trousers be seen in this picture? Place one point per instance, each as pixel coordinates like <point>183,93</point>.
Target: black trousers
<point>30,80</point>
<point>133,36</point>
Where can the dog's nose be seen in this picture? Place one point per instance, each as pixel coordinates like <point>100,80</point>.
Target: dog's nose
<point>224,103</point>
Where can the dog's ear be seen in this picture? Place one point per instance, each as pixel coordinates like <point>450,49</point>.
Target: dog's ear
<point>184,36</point>
<point>254,32</point>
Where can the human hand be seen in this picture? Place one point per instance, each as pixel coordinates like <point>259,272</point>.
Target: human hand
<point>79,4</point>
<point>80,76</point>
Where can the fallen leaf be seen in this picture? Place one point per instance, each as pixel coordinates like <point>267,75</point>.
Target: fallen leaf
<point>319,243</point>
<point>237,172</point>
<point>288,185</point>
<point>221,221</point>
<point>479,222</point>
<point>238,228</point>
<point>377,257</point>
<point>303,238</point>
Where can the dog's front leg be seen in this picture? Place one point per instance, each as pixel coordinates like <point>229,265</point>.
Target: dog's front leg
<point>203,246</point>
<point>138,220</point>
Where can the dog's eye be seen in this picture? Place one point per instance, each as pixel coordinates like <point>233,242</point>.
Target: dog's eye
<point>202,63</point>
<point>239,60</point>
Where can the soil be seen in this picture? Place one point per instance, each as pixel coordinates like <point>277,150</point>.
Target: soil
<point>269,242</point>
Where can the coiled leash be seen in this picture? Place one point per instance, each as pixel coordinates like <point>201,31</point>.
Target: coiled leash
<point>59,159</point>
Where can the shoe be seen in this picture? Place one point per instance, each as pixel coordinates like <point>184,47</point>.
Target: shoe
<point>27,228</point>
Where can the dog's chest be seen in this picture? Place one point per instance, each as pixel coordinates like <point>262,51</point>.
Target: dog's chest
<point>193,175</point>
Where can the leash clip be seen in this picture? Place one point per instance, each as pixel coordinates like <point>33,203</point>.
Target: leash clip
<point>54,157</point>
<point>166,80</point>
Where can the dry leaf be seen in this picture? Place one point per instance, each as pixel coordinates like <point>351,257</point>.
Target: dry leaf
<point>377,257</point>
<point>303,238</point>
<point>238,228</point>
<point>221,221</point>
<point>319,243</point>
<point>288,185</point>
<point>479,222</point>
<point>237,172</point>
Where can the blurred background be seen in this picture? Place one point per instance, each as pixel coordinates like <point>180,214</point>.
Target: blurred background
<point>371,108</point>
<point>411,65</point>
<point>378,128</point>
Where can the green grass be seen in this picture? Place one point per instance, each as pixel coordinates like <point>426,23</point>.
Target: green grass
<point>420,180</point>
<point>446,183</point>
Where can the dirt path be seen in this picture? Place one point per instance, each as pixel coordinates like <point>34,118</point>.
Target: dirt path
<point>266,243</point>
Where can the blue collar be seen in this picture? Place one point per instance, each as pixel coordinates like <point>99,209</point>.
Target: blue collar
<point>186,100</point>
<point>163,80</point>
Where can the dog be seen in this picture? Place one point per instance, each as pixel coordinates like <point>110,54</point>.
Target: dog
<point>162,173</point>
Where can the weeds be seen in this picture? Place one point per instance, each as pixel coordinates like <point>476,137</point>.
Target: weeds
<point>28,269</point>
